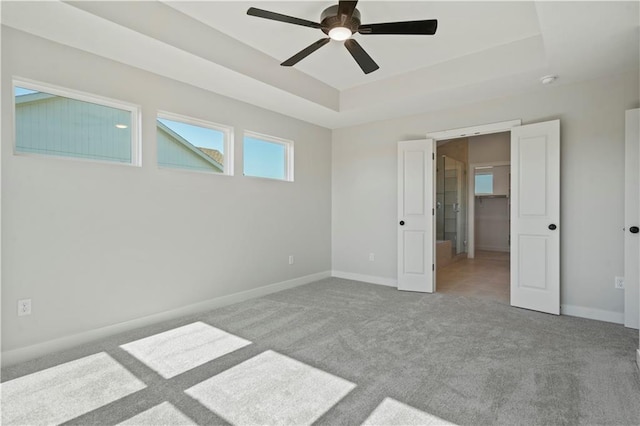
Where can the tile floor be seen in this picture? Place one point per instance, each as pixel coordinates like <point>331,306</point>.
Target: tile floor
<point>486,276</point>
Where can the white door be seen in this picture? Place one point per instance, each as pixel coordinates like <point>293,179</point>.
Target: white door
<point>631,215</point>
<point>638,218</point>
<point>535,217</point>
<point>416,220</point>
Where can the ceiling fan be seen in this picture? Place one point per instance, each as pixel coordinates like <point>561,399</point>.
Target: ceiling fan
<point>340,22</point>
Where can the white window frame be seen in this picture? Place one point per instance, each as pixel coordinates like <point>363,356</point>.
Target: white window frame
<point>288,154</point>
<point>136,137</point>
<point>227,167</point>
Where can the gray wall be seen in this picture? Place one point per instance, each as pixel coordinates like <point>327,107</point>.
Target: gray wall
<point>490,148</point>
<point>491,226</point>
<point>97,244</point>
<point>458,149</point>
<point>592,172</point>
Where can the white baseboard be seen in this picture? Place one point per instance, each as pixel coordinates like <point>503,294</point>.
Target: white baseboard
<point>34,351</point>
<point>390,282</point>
<point>592,313</point>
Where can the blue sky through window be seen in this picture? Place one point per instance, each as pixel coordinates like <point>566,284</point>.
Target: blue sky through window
<point>261,158</point>
<point>201,137</point>
<point>264,159</point>
<point>22,91</point>
<point>484,184</point>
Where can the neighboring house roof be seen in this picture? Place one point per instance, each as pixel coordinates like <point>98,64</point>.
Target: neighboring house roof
<point>213,153</point>
<point>212,156</point>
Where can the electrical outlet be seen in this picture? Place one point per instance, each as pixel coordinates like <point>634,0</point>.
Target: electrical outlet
<point>290,259</point>
<point>372,257</point>
<point>24,307</point>
<point>619,282</point>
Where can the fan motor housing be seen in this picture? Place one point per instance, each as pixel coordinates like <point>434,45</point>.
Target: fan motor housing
<point>330,20</point>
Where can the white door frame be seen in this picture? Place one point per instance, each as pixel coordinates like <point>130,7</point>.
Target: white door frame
<point>471,204</point>
<point>481,129</point>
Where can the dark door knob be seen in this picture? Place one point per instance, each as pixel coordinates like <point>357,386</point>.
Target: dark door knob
<point>402,223</point>
<point>634,229</point>
<point>553,227</point>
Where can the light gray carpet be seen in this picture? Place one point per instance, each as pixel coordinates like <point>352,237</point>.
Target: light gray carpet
<point>430,357</point>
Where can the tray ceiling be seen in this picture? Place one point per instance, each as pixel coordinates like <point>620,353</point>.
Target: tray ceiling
<point>482,50</point>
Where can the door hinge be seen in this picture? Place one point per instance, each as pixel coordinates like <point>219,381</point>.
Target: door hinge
<point>433,155</point>
<point>433,267</point>
<point>433,212</point>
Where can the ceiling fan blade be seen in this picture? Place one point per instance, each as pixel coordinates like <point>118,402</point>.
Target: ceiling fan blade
<point>345,10</point>
<point>260,13</point>
<point>362,58</point>
<point>426,27</point>
<point>305,52</point>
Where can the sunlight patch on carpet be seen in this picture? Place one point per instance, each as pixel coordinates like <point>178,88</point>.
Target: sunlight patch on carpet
<point>66,391</point>
<point>175,351</point>
<point>164,414</point>
<point>391,412</point>
<point>271,388</point>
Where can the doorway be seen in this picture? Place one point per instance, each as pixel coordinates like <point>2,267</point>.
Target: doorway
<point>473,216</point>
<point>535,212</point>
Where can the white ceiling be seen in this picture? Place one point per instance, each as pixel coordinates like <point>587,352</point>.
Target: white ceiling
<point>464,28</point>
<point>481,50</point>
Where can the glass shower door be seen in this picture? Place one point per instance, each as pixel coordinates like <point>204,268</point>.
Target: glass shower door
<point>451,203</point>
<point>440,198</point>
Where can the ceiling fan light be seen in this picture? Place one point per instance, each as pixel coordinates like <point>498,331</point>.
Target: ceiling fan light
<point>340,33</point>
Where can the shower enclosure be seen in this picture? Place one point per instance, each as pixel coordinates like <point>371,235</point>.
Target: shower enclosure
<point>451,203</point>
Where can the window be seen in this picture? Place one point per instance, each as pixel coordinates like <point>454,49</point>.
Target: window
<point>267,157</point>
<point>484,180</point>
<point>63,123</point>
<point>192,144</point>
